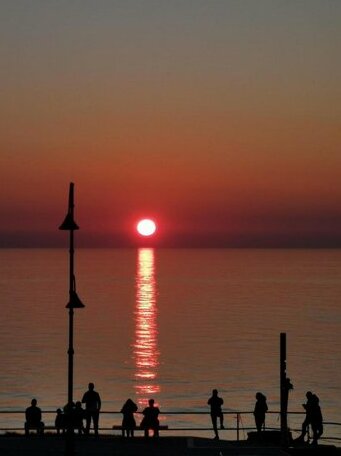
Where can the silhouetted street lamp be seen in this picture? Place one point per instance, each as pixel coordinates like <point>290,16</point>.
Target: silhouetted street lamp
<point>74,302</point>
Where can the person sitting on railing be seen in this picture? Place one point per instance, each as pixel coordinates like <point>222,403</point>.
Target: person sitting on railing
<point>150,419</point>
<point>33,418</point>
<point>260,410</point>
<point>128,422</point>
<point>216,402</point>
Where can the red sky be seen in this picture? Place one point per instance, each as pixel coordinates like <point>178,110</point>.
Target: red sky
<point>219,119</point>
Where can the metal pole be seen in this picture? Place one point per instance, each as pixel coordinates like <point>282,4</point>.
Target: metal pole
<point>74,302</point>
<point>283,389</point>
<point>71,311</point>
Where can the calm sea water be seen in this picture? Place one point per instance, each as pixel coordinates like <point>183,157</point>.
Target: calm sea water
<point>171,324</point>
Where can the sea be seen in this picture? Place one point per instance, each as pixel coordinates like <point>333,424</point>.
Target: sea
<point>172,324</point>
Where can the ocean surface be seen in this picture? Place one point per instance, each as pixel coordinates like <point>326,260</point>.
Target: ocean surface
<point>172,324</point>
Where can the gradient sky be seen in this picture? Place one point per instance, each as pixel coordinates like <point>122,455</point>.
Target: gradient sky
<point>219,118</point>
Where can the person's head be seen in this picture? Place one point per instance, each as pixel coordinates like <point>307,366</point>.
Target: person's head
<point>215,392</point>
<point>314,399</point>
<point>259,396</point>
<point>151,402</point>
<point>59,411</point>
<point>308,394</point>
<point>34,402</point>
<point>91,386</point>
<point>78,404</point>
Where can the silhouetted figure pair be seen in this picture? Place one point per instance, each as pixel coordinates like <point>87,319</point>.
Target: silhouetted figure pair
<point>259,412</point>
<point>313,418</point>
<point>150,419</point>
<point>33,418</point>
<point>92,402</point>
<point>128,422</point>
<point>71,416</point>
<point>216,402</point>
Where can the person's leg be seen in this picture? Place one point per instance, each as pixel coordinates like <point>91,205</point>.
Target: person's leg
<point>214,423</point>
<point>304,430</point>
<point>305,425</point>
<point>88,422</point>
<point>221,416</point>
<point>95,418</point>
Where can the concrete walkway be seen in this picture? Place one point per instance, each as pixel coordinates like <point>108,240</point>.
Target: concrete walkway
<point>52,445</point>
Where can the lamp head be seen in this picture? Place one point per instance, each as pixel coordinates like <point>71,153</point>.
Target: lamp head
<point>75,302</point>
<point>69,224</point>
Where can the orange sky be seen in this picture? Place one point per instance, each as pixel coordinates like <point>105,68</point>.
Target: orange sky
<point>220,119</point>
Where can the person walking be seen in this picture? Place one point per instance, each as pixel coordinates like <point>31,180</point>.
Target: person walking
<point>92,402</point>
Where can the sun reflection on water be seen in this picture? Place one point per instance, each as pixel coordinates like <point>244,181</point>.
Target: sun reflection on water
<point>146,352</point>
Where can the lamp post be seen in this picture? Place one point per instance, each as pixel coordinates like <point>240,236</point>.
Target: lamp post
<point>74,302</point>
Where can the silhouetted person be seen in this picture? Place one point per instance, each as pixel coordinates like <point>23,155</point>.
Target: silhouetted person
<point>215,402</point>
<point>260,410</point>
<point>59,422</point>
<point>78,414</point>
<point>33,418</point>
<point>92,402</point>
<point>316,419</point>
<point>150,419</point>
<point>128,422</point>
<point>308,415</point>
<point>68,416</point>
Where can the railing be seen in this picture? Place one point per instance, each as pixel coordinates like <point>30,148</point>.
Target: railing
<point>239,428</point>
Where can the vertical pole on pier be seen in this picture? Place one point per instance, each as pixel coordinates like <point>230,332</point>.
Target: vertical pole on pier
<point>74,302</point>
<point>238,420</point>
<point>283,389</point>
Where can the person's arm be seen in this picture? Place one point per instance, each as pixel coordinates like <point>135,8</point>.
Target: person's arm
<point>99,402</point>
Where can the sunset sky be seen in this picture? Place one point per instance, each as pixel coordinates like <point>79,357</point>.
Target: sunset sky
<point>221,119</point>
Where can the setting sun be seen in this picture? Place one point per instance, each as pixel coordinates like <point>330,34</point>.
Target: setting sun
<point>146,227</point>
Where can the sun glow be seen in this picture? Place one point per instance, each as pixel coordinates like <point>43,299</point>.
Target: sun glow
<point>146,227</point>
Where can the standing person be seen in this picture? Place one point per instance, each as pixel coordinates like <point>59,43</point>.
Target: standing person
<point>215,402</point>
<point>92,402</point>
<point>128,422</point>
<point>260,410</point>
<point>316,419</point>
<point>150,419</point>
<point>308,415</point>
